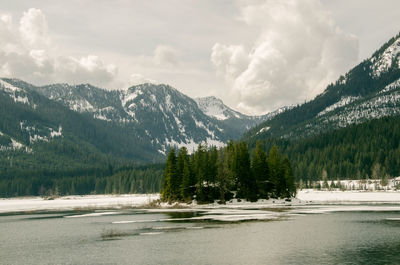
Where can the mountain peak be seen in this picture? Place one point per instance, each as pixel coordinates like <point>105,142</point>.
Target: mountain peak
<point>214,107</point>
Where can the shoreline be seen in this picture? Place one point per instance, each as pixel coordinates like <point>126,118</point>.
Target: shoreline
<point>127,201</point>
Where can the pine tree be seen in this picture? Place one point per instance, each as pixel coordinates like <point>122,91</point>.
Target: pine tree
<point>290,186</point>
<point>187,182</point>
<point>276,170</point>
<point>224,177</point>
<point>212,165</point>
<point>182,162</point>
<point>247,187</point>
<point>260,170</point>
<point>169,183</point>
<point>201,171</point>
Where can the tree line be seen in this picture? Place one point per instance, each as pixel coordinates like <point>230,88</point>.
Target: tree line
<point>370,150</point>
<point>222,174</point>
<point>108,180</point>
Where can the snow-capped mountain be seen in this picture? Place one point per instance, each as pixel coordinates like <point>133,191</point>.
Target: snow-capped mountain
<point>368,91</point>
<point>31,131</point>
<point>171,118</point>
<point>214,107</point>
<point>158,115</point>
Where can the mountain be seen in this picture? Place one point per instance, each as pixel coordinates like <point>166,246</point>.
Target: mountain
<point>39,131</point>
<point>215,108</point>
<point>368,91</point>
<point>150,117</point>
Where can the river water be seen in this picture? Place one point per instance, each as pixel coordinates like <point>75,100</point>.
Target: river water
<point>340,234</point>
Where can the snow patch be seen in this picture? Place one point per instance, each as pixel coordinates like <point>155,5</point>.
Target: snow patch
<point>16,145</point>
<point>8,87</point>
<point>14,92</point>
<point>21,99</point>
<point>341,103</point>
<point>81,105</point>
<point>168,103</point>
<point>384,61</point>
<point>190,145</point>
<point>180,126</point>
<point>214,142</point>
<point>391,86</point>
<point>264,129</point>
<point>54,134</point>
<point>36,138</point>
<point>130,96</point>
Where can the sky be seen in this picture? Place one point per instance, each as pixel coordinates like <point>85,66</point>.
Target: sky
<point>256,55</point>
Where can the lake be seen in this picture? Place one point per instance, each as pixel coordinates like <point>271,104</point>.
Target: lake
<point>313,234</point>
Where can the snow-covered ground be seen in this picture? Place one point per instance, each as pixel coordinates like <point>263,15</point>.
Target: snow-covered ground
<point>75,202</point>
<point>315,196</point>
<point>304,197</point>
<point>365,185</point>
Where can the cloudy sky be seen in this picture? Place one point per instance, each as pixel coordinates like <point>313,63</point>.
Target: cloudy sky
<point>255,55</point>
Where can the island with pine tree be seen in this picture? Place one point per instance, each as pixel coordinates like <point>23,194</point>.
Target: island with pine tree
<point>221,174</point>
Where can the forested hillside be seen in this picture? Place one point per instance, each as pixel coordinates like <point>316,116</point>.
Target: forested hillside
<point>368,91</point>
<point>368,150</point>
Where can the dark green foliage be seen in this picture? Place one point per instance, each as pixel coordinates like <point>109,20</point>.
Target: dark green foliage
<point>170,184</point>
<point>276,169</point>
<point>246,184</point>
<point>288,186</point>
<point>217,174</point>
<point>143,179</point>
<point>260,170</point>
<point>368,150</point>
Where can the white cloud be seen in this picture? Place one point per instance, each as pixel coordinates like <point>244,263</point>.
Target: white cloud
<point>137,79</point>
<point>298,51</point>
<point>86,69</point>
<point>28,53</point>
<point>229,60</point>
<point>33,27</point>
<point>166,56</point>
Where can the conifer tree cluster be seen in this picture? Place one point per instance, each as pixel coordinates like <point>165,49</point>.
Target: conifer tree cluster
<point>221,174</point>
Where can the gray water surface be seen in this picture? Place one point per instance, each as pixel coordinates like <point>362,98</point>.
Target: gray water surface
<point>142,237</point>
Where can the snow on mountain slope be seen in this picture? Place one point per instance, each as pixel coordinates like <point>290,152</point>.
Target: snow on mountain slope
<point>382,62</point>
<point>214,107</point>
<point>342,102</point>
<point>170,118</point>
<point>368,91</point>
<point>159,115</point>
<point>16,93</point>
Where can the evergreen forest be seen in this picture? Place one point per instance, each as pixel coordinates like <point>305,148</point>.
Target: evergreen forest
<point>225,173</point>
<point>370,150</point>
<point>102,180</point>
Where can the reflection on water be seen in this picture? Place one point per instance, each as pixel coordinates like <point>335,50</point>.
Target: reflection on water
<point>360,234</point>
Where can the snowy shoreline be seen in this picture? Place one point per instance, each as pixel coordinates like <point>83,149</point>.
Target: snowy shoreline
<point>91,202</point>
<point>361,196</point>
<point>27,204</point>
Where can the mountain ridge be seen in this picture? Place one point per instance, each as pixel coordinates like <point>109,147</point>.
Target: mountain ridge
<point>158,115</point>
<point>369,90</point>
